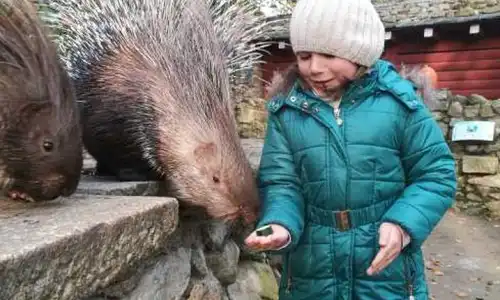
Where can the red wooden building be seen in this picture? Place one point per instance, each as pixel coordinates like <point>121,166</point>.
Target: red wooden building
<point>464,51</point>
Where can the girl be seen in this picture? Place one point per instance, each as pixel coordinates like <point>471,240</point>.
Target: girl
<point>355,172</point>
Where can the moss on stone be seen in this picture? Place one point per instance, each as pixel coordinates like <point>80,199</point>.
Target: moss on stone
<point>268,283</point>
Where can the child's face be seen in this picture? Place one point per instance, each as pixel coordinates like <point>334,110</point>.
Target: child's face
<point>325,73</point>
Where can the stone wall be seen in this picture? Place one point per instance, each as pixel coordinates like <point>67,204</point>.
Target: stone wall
<point>127,241</point>
<point>477,164</point>
<point>250,111</point>
<point>395,12</point>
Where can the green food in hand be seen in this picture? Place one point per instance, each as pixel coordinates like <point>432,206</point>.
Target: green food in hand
<point>264,231</point>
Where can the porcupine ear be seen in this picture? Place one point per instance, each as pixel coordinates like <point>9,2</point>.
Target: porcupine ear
<point>205,155</point>
<point>204,152</point>
<point>34,108</point>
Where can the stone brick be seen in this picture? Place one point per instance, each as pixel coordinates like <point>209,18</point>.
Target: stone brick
<point>494,209</point>
<point>495,104</point>
<point>438,116</point>
<point>479,164</point>
<point>486,111</point>
<point>477,99</point>
<point>490,10</point>
<point>474,149</point>
<point>493,147</point>
<point>491,181</point>
<point>456,109</point>
<point>473,197</point>
<point>471,111</point>
<point>466,12</point>
<point>253,151</point>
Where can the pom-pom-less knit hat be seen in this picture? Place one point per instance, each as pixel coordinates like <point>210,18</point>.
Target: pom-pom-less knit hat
<point>349,29</point>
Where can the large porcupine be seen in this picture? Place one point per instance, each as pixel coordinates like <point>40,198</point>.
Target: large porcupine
<point>40,139</point>
<point>152,78</point>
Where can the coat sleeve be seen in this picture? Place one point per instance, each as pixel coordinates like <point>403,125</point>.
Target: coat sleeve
<point>279,185</point>
<point>430,178</point>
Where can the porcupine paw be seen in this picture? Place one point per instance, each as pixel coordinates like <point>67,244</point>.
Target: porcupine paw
<point>103,171</point>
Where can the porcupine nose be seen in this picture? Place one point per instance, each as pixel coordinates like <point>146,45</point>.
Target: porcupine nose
<point>58,185</point>
<point>70,187</point>
<point>66,191</point>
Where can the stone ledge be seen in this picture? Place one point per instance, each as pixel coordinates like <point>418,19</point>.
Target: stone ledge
<point>68,248</point>
<point>253,150</point>
<point>92,185</point>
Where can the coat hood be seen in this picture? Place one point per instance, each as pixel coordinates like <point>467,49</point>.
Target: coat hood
<point>382,77</point>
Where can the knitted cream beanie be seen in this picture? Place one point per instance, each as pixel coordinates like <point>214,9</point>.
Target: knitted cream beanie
<point>349,29</point>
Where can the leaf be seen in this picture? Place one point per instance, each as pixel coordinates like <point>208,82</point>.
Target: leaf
<point>461,294</point>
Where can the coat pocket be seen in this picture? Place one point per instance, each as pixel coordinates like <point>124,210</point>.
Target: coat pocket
<point>401,269</point>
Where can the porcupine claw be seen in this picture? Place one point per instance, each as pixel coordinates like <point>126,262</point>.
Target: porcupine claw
<point>15,195</point>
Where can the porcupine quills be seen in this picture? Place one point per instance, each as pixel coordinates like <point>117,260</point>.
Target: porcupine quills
<point>40,140</point>
<point>153,81</point>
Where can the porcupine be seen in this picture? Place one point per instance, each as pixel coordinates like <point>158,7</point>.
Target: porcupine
<point>40,140</point>
<point>422,82</point>
<point>152,77</point>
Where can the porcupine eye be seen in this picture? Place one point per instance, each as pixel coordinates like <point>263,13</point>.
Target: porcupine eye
<point>48,145</point>
<point>215,179</point>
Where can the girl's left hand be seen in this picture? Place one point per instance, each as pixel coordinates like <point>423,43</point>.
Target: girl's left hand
<point>276,240</point>
<point>390,241</point>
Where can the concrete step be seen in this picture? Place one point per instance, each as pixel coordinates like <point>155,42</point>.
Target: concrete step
<point>93,185</point>
<point>70,247</point>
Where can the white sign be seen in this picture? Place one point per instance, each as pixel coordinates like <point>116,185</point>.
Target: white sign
<point>428,32</point>
<point>473,131</point>
<point>388,35</point>
<point>474,29</point>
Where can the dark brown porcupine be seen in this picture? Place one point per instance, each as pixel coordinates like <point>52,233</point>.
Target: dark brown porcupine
<point>40,140</point>
<point>153,81</point>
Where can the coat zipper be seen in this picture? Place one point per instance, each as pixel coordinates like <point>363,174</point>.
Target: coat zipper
<point>348,168</point>
<point>288,275</point>
<point>409,273</point>
<point>340,119</point>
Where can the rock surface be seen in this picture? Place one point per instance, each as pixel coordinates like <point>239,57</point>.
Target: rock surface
<point>254,281</point>
<point>168,279</point>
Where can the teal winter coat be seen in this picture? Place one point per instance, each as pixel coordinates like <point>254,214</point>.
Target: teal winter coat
<point>332,186</point>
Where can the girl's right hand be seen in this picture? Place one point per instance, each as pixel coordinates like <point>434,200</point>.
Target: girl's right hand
<point>279,238</point>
